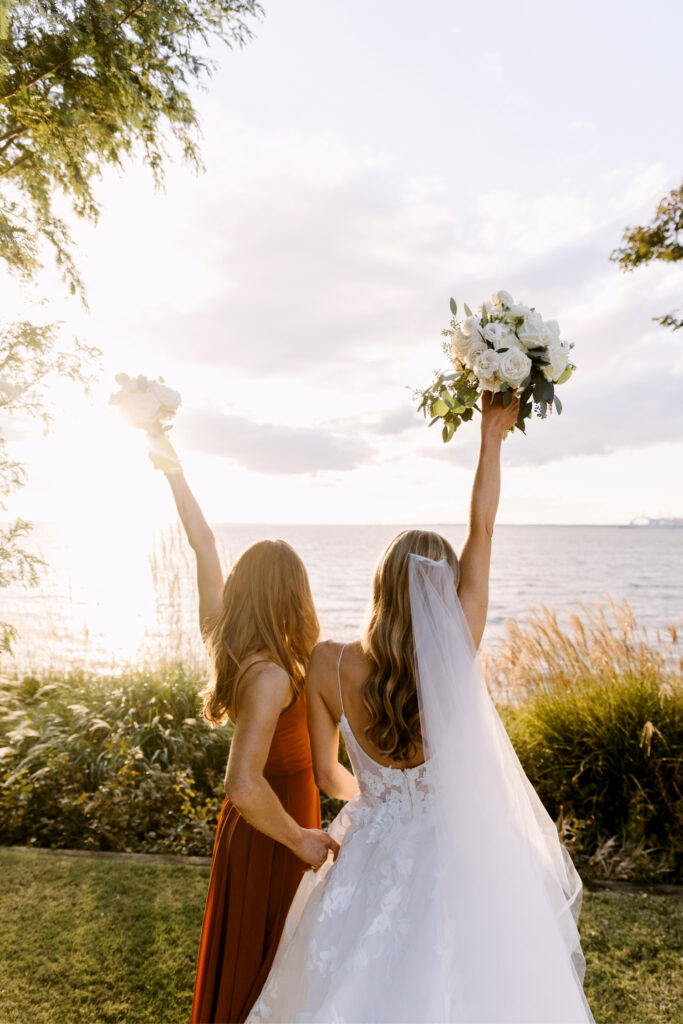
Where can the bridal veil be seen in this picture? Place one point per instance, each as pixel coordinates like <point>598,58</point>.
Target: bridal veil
<point>509,894</point>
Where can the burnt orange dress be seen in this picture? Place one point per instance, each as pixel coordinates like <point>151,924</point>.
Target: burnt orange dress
<point>252,883</point>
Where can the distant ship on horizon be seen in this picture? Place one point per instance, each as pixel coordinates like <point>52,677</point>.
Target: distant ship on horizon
<point>662,521</point>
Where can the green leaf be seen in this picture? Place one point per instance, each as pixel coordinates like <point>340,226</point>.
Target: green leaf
<point>468,310</point>
<point>506,399</point>
<point>439,408</point>
<point>454,307</point>
<point>566,374</point>
<point>484,316</point>
<point>558,405</point>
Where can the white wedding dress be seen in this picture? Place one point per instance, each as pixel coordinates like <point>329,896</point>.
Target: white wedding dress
<point>451,899</point>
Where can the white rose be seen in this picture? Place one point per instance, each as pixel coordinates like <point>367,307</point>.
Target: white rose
<point>141,409</point>
<point>514,367</point>
<point>476,348</point>
<point>553,327</point>
<point>508,339</point>
<point>470,325</point>
<point>485,365</point>
<point>502,299</point>
<point>531,333</point>
<point>461,342</point>
<point>167,397</point>
<point>558,356</point>
<point>494,333</point>
<point>518,309</point>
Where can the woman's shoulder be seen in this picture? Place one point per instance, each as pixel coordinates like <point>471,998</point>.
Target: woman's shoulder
<point>262,679</point>
<point>327,656</point>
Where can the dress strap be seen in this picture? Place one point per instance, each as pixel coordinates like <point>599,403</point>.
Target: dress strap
<point>341,699</point>
<point>242,673</point>
<point>259,661</point>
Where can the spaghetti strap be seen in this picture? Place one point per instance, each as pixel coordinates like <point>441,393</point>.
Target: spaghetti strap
<point>259,661</point>
<point>243,672</point>
<point>341,699</point>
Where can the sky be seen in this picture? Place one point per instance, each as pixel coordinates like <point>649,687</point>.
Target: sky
<point>364,162</point>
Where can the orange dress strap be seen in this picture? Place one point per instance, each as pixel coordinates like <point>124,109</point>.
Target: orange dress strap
<point>259,661</point>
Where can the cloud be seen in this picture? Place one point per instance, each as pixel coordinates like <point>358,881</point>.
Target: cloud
<point>314,266</point>
<point>269,448</point>
<point>314,280</point>
<point>632,413</point>
<point>398,420</point>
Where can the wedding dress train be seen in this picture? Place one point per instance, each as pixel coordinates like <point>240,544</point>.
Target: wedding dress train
<point>451,899</point>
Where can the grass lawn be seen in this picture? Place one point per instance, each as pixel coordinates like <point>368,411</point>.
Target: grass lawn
<point>88,940</point>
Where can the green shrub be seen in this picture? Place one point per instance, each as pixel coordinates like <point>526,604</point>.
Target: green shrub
<point>111,764</point>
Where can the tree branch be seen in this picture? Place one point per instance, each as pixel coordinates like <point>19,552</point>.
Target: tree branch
<point>67,60</point>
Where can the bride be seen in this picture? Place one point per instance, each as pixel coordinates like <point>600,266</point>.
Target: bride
<point>452,898</point>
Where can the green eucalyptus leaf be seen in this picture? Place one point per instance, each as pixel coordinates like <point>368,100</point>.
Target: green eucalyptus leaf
<point>468,310</point>
<point>454,307</point>
<point>439,408</point>
<point>558,405</point>
<point>566,374</point>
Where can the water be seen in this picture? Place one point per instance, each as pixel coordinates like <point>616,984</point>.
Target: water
<point>99,607</point>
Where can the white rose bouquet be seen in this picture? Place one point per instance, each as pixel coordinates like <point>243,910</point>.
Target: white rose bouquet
<point>150,405</point>
<point>504,347</point>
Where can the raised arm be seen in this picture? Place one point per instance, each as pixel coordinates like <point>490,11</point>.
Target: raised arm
<point>197,530</point>
<point>475,557</point>
<point>263,694</point>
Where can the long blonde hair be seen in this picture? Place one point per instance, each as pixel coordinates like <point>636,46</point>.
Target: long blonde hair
<point>390,691</point>
<point>267,607</point>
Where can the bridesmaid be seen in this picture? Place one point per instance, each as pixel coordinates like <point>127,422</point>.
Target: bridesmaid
<point>260,627</point>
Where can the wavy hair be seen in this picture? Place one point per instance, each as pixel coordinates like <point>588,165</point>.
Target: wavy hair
<point>390,691</point>
<point>267,607</point>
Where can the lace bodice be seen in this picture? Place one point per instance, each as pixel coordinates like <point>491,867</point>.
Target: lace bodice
<point>382,788</point>
<point>380,784</point>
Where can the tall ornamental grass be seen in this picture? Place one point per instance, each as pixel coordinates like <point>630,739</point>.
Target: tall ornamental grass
<point>596,716</point>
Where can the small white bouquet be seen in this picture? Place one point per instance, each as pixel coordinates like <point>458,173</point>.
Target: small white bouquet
<point>150,405</point>
<point>504,347</point>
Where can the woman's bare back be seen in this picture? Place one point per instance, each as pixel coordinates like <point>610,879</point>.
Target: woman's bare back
<point>354,670</point>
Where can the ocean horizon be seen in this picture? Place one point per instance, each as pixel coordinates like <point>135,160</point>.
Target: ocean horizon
<point>136,598</point>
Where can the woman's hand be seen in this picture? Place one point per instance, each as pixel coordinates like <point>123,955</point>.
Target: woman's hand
<point>314,846</point>
<point>162,454</point>
<point>495,420</point>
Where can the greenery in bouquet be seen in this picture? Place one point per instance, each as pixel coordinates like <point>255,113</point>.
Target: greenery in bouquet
<point>505,347</point>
